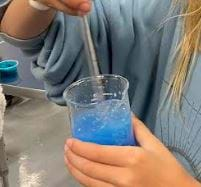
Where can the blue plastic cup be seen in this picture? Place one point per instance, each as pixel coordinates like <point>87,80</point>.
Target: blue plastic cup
<point>8,71</point>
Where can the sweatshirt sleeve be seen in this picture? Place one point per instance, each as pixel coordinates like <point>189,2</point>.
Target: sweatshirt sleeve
<point>62,59</point>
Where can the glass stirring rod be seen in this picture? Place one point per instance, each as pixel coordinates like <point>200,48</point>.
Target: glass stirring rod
<point>92,60</point>
<point>89,47</point>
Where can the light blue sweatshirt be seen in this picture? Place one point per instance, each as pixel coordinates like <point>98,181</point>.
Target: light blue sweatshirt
<point>128,43</point>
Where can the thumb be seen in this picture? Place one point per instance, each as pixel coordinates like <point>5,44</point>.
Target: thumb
<point>144,136</point>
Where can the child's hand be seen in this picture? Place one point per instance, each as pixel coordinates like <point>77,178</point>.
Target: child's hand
<point>73,7</point>
<point>150,165</point>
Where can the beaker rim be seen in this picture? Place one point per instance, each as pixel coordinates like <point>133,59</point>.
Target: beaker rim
<point>90,78</point>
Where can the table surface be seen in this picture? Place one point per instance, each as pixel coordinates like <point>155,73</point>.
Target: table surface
<point>25,84</point>
<point>35,132</point>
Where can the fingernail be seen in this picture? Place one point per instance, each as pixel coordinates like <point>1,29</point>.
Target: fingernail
<point>84,7</point>
<point>66,148</point>
<point>69,143</point>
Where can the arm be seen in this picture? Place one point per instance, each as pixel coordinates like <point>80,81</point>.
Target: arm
<point>23,22</point>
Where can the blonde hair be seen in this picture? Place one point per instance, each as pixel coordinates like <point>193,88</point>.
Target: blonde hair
<point>188,48</point>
